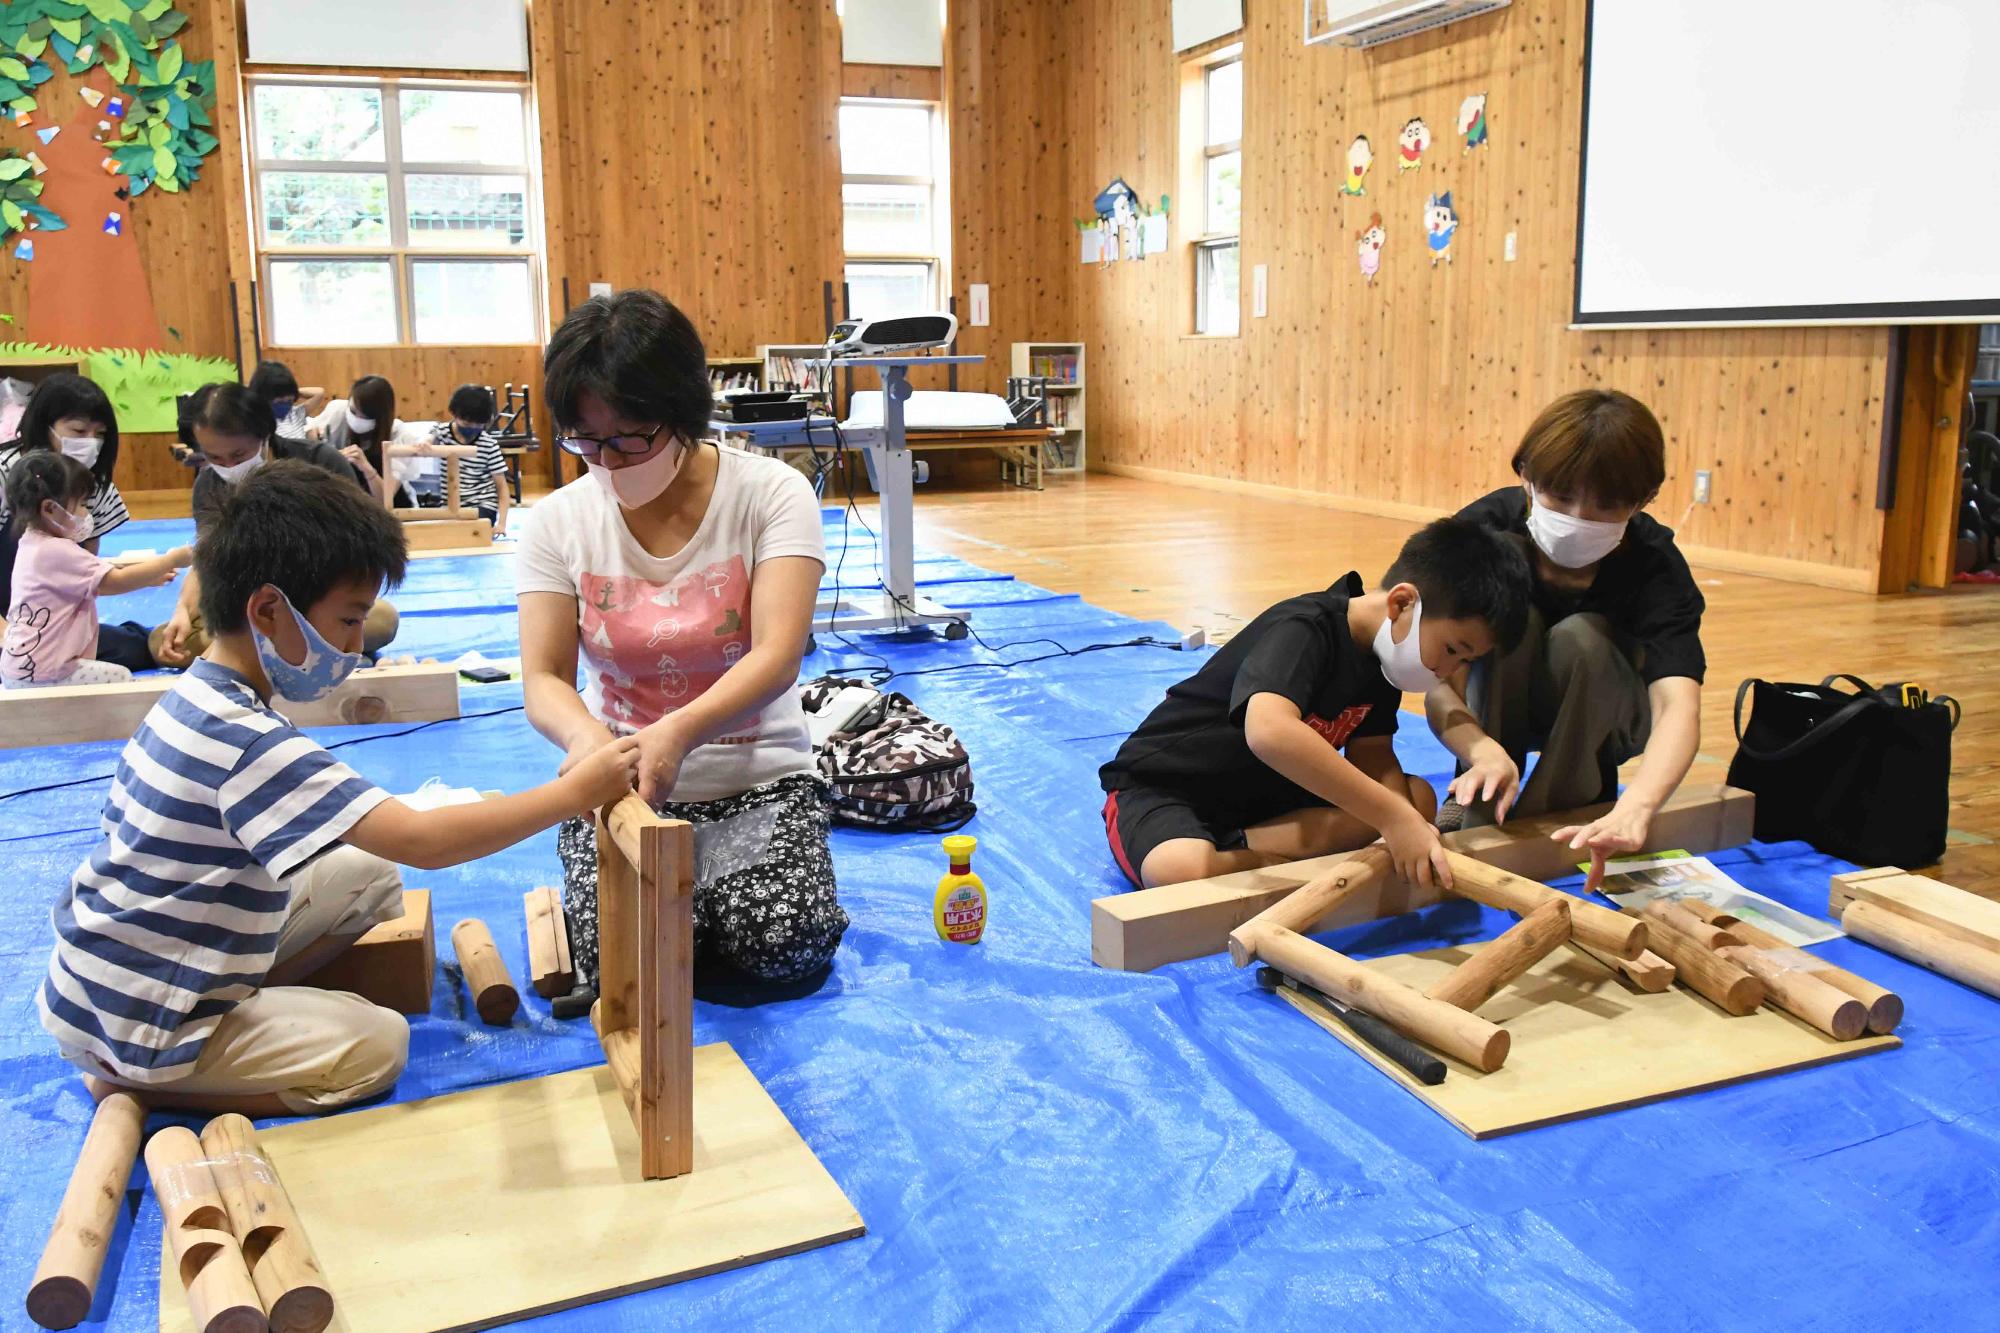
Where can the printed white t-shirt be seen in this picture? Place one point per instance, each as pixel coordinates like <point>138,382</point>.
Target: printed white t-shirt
<point>655,632</point>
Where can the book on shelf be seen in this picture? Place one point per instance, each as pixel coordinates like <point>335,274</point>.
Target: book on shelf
<point>1059,367</point>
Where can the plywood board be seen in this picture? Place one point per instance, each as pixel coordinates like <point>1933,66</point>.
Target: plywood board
<point>1584,1043</point>
<point>66,714</point>
<point>485,1207</point>
<point>1141,930</point>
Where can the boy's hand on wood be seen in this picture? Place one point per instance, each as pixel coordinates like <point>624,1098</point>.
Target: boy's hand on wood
<point>1418,851</point>
<point>607,773</point>
<point>1493,776</point>
<point>173,639</point>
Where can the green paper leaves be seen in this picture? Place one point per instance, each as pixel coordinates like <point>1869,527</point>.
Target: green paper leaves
<point>170,63</point>
<point>13,168</point>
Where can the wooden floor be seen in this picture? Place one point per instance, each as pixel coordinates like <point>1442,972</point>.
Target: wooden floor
<point>1196,557</point>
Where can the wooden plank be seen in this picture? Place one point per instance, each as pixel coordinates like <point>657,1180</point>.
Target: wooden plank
<point>66,714</point>
<point>1906,937</point>
<point>1954,912</point>
<point>1584,1044</point>
<point>547,1169</point>
<point>1141,930</point>
<point>437,534</point>
<point>549,969</point>
<point>394,964</point>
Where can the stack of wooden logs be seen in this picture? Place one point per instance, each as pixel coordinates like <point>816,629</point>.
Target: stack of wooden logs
<point>235,1239</point>
<point>1933,925</point>
<point>1739,967</point>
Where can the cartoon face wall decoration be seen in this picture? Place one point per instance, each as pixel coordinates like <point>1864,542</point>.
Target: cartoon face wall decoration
<point>1440,225</point>
<point>1472,121</point>
<point>1360,157</point>
<point>1368,247</point>
<point>1411,143</point>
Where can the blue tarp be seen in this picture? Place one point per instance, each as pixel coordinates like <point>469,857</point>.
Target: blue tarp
<point>1036,1143</point>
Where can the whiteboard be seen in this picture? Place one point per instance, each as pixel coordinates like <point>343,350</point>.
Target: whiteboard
<point>1790,162</point>
<point>389,34</point>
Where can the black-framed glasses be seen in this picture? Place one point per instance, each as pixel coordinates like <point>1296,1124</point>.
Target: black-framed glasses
<point>589,446</point>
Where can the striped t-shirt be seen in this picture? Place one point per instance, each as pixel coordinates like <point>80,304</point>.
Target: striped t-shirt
<point>107,505</point>
<point>174,918</point>
<point>480,476</point>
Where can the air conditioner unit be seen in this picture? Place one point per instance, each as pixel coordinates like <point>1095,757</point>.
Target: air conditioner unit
<point>1370,22</point>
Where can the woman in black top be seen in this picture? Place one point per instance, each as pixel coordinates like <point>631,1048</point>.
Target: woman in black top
<point>1612,663</point>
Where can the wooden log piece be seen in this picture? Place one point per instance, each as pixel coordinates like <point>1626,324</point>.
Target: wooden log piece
<point>1707,973</point>
<point>1313,901</point>
<point>1599,927</point>
<point>220,1293</point>
<point>288,1277</point>
<point>1924,945</point>
<point>1885,1007</point>
<point>1792,986</point>
<point>1688,923</point>
<point>550,971</point>
<point>65,1282</point>
<point>486,975</point>
<point>1474,981</point>
<point>1464,1037</point>
<point>1649,972</point>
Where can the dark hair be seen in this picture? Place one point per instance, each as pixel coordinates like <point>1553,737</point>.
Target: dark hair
<point>273,380</point>
<point>233,409</point>
<point>638,353</point>
<point>300,529</point>
<point>376,398</point>
<point>472,402</point>
<point>1467,571</point>
<point>45,475</point>
<point>65,394</point>
<point>1595,444</point>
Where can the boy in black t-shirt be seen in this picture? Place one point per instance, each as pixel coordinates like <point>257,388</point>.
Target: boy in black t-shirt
<point>1241,766</point>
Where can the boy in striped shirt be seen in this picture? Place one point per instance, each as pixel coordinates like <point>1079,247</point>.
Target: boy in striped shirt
<point>239,856</point>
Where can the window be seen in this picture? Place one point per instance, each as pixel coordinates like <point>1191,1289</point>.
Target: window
<point>1218,302</point>
<point>892,205</point>
<point>393,211</point>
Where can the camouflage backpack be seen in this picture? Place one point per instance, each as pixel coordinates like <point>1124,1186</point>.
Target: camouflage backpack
<point>893,767</point>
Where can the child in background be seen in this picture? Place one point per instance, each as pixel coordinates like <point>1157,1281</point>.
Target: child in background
<point>292,407</point>
<point>52,613</point>
<point>469,437</point>
<point>360,426</point>
<point>1242,766</point>
<point>240,857</point>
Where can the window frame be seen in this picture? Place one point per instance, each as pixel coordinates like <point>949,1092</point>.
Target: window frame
<point>1198,152</point>
<point>397,252</point>
<point>935,261</point>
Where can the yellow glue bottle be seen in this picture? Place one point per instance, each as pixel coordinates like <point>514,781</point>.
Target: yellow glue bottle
<point>960,911</point>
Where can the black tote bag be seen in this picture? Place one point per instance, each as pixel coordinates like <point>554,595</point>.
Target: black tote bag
<point>1860,776</point>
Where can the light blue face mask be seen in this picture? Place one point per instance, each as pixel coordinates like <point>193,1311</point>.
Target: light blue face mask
<point>319,675</point>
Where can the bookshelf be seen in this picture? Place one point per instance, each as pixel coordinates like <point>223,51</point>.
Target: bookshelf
<point>1061,364</point>
<point>788,366</point>
<point>735,372</point>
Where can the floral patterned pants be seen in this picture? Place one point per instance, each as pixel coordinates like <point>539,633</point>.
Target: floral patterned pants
<point>764,897</point>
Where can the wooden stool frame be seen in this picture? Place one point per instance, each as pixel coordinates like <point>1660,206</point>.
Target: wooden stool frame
<point>644,1013</point>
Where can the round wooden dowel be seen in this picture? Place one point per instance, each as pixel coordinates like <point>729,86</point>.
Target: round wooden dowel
<point>65,1282</point>
<point>1797,991</point>
<point>1706,972</point>
<point>1599,927</point>
<point>1688,923</point>
<point>281,1261</point>
<point>1309,904</point>
<point>220,1294</point>
<point>1474,981</point>
<point>486,975</point>
<point>1465,1037</point>
<point>1926,946</point>
<point>1885,1007</point>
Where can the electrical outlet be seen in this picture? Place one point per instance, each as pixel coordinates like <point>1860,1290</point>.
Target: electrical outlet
<point>1703,484</point>
<point>1510,247</point>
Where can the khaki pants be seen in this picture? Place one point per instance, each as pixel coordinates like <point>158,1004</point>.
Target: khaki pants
<point>378,631</point>
<point>316,1050</point>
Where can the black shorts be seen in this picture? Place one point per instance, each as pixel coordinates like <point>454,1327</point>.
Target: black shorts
<point>1138,819</point>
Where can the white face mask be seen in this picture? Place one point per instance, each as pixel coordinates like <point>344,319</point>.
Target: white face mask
<point>1403,662</point>
<point>357,423</point>
<point>83,448</point>
<point>639,484</point>
<point>236,472</point>
<point>1571,542</point>
<point>63,523</point>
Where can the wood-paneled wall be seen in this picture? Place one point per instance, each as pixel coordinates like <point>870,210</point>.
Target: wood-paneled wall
<point>1409,396</point>
<point>423,376</point>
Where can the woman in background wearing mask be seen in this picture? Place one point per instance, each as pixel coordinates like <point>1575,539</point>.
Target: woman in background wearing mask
<point>70,415</point>
<point>684,576</point>
<point>1612,663</point>
<point>358,426</point>
<point>233,426</point>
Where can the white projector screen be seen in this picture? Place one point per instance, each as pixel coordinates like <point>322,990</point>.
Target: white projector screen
<point>1790,162</point>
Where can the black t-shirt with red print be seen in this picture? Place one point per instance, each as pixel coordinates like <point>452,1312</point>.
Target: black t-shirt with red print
<point>1302,649</point>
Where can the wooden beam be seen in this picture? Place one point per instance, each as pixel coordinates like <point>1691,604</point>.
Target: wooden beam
<point>1141,930</point>
<point>1966,916</point>
<point>393,963</point>
<point>66,714</point>
<point>439,534</point>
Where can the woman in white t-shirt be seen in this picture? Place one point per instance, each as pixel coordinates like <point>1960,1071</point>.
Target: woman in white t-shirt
<point>360,426</point>
<point>684,576</point>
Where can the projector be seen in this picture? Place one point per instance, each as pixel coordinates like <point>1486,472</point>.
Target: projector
<point>905,333</point>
